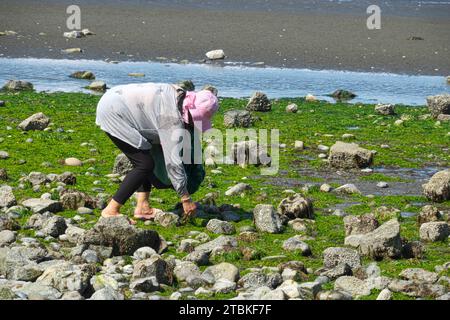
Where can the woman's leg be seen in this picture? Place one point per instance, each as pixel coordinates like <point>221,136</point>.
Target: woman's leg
<point>137,178</point>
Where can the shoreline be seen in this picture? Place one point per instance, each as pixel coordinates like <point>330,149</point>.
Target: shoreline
<point>310,40</point>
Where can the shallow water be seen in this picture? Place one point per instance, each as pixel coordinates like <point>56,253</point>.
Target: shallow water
<point>231,80</point>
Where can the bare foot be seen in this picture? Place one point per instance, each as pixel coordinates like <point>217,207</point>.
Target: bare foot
<point>107,213</point>
<point>145,213</point>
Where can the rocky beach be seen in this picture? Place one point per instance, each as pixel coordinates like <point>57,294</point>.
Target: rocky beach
<point>358,207</point>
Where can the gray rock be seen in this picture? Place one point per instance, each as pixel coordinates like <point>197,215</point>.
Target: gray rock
<point>37,121</point>
<point>255,280</point>
<point>360,224</point>
<point>3,174</point>
<point>72,199</point>
<point>296,206</point>
<point>385,294</point>
<point>439,104</point>
<point>437,189</point>
<point>97,86</point>
<point>185,269</point>
<point>238,189</point>
<point>237,118</point>
<point>199,257</point>
<point>334,295</point>
<point>167,219</point>
<point>37,291</point>
<point>428,213</point>
<point>37,178</point>
<point>4,155</point>
<point>259,102</point>
<point>385,109</point>
<point>88,75</point>
<point>296,244</point>
<point>107,293</point>
<point>90,256</point>
<point>7,198</point>
<point>17,85</point>
<point>72,295</point>
<point>378,283</point>
<point>276,294</point>
<point>156,267</point>
<point>149,284</point>
<point>334,256</point>
<point>144,253</point>
<point>67,277</point>
<point>349,156</point>
<point>221,243</point>
<point>220,227</point>
<point>266,219</point>
<point>342,269</point>
<point>384,242</point>
<point>84,210</point>
<point>8,223</point>
<point>67,178</point>
<point>418,274</point>
<point>413,250</point>
<point>7,237</point>
<point>434,231</point>
<point>37,205</point>
<point>224,286</point>
<point>352,285</point>
<point>54,226</point>
<point>292,108</point>
<point>417,289</point>
<point>125,239</point>
<point>74,234</point>
<point>348,188</point>
<point>222,270</point>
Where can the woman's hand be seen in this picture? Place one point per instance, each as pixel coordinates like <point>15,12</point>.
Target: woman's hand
<point>189,207</point>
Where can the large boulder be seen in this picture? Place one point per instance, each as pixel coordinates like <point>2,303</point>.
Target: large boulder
<point>7,198</point>
<point>237,118</point>
<point>349,156</point>
<point>360,224</point>
<point>37,121</point>
<point>38,205</point>
<point>296,244</point>
<point>122,165</point>
<point>296,206</point>
<point>437,189</point>
<point>439,104</point>
<point>259,102</point>
<point>266,219</point>
<point>341,94</point>
<point>18,85</point>
<point>215,54</point>
<point>434,231</point>
<point>383,242</point>
<point>124,238</point>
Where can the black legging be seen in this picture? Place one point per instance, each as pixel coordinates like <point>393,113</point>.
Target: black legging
<point>141,177</point>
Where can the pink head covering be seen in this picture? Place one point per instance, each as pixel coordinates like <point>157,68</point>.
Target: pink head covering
<point>201,105</point>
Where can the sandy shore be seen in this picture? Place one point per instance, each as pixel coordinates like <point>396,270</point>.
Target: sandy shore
<point>317,37</point>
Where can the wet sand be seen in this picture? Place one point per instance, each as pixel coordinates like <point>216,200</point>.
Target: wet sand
<point>303,35</point>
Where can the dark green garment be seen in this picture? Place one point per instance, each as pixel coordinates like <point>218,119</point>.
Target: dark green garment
<point>195,172</point>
